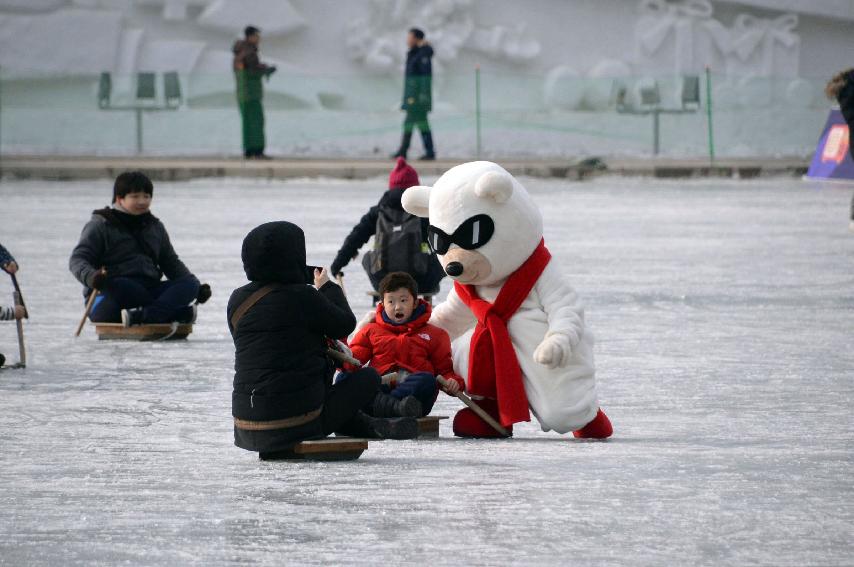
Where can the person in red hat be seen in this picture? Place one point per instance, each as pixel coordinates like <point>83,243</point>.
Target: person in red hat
<point>400,239</point>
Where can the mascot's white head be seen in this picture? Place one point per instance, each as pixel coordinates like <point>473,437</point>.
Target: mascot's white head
<point>483,223</point>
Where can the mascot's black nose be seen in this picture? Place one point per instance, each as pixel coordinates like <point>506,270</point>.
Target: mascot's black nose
<point>454,269</point>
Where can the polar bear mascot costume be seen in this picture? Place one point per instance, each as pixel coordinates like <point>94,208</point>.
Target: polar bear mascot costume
<point>518,330</point>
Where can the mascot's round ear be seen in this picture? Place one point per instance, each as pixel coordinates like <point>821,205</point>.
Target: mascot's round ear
<point>495,185</point>
<point>416,201</point>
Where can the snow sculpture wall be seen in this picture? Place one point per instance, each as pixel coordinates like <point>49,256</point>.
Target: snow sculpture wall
<point>375,38</point>
<point>561,57</point>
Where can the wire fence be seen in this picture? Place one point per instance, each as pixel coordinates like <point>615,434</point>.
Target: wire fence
<point>474,113</point>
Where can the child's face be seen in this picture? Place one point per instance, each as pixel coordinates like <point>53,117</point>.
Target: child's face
<point>399,305</point>
<point>135,203</point>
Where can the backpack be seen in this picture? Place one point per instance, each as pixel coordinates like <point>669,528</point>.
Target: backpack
<point>399,244</point>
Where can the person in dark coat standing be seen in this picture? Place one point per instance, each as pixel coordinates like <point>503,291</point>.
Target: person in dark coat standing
<point>283,390</point>
<point>841,88</point>
<point>417,94</point>
<point>124,251</point>
<point>428,272</point>
<point>248,71</point>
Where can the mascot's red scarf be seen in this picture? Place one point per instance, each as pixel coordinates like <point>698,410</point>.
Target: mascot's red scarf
<point>493,369</point>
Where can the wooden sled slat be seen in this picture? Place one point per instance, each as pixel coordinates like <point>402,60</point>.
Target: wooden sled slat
<point>336,449</point>
<point>117,332</point>
<point>428,427</point>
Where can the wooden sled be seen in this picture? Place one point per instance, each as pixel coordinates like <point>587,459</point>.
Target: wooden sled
<point>428,427</point>
<point>158,332</point>
<point>337,449</point>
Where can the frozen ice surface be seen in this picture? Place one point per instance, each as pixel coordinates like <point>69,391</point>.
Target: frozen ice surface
<point>725,321</point>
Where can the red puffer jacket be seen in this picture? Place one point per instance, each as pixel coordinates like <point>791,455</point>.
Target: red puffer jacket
<point>415,346</point>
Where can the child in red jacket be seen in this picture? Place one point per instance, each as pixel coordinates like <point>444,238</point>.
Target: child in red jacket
<point>401,340</point>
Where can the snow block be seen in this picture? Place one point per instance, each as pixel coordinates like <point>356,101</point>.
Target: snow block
<point>428,427</point>
<point>117,332</point>
<point>832,159</point>
<point>337,449</point>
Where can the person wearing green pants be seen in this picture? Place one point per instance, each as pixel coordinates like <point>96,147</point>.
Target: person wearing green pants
<point>417,94</point>
<point>248,71</point>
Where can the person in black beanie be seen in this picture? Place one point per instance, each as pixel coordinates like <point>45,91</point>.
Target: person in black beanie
<point>841,88</point>
<point>124,251</point>
<point>417,94</point>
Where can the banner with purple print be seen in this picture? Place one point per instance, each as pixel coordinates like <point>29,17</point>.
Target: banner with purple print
<point>832,158</point>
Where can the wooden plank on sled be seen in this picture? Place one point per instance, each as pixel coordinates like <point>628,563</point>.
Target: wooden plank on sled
<point>428,427</point>
<point>118,332</point>
<point>335,449</point>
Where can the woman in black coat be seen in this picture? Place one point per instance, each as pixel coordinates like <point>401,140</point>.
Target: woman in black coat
<point>283,390</point>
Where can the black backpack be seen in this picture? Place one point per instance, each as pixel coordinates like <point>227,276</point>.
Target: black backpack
<point>399,244</point>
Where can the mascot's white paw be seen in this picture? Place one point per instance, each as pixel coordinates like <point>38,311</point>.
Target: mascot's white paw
<point>554,352</point>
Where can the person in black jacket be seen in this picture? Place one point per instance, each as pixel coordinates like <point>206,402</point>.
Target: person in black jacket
<point>124,252</point>
<point>417,94</point>
<point>283,390</point>
<point>841,87</point>
<point>402,177</point>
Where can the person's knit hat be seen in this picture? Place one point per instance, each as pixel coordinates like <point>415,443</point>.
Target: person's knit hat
<point>403,176</point>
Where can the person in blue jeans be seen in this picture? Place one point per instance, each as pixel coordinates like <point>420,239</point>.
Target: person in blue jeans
<point>124,252</point>
<point>401,340</point>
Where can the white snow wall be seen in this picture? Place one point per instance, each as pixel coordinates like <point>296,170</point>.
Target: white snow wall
<point>549,73</point>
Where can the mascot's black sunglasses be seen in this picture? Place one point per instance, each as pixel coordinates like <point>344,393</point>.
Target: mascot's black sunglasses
<point>472,234</point>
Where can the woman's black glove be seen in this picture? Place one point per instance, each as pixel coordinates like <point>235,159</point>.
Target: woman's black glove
<point>98,279</point>
<point>204,293</point>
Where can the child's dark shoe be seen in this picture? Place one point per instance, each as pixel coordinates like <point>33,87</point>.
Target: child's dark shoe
<point>599,428</point>
<point>468,424</point>
<point>132,317</point>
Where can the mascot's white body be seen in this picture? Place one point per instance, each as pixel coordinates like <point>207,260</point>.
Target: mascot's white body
<point>553,347</point>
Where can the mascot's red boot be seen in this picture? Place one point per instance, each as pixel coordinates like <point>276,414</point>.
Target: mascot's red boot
<point>599,428</point>
<point>468,424</point>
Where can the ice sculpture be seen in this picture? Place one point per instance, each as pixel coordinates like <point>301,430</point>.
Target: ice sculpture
<point>564,88</point>
<point>376,39</point>
<point>682,36</point>
<point>32,5</point>
<point>66,41</point>
<point>174,10</point>
<point>274,17</point>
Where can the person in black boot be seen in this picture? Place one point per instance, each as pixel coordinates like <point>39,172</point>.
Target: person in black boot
<point>417,94</point>
<point>283,391</point>
<point>124,252</point>
<point>385,405</point>
<point>368,427</point>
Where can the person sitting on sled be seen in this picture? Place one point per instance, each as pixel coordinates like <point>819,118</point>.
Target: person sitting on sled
<point>17,312</point>
<point>124,252</point>
<point>401,340</point>
<point>283,391</point>
<point>400,239</point>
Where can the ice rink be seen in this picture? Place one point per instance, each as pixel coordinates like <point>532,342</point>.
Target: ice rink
<point>724,316</point>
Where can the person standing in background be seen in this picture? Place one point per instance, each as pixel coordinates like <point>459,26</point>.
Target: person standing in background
<point>841,88</point>
<point>248,71</point>
<point>417,94</point>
